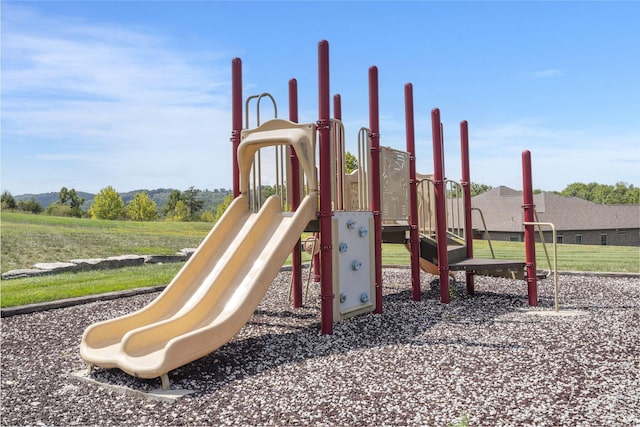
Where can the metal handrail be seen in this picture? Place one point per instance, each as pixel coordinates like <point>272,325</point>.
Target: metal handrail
<point>364,150</point>
<point>544,244</point>
<point>555,259</point>
<point>425,220</point>
<point>256,169</point>
<point>486,231</point>
<point>453,206</point>
<point>338,156</point>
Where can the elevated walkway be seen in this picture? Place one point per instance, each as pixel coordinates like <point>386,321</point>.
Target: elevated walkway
<point>458,261</point>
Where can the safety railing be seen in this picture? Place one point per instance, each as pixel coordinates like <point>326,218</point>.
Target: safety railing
<point>486,231</point>
<point>455,208</point>
<point>555,257</point>
<point>364,166</point>
<point>338,165</point>
<point>544,243</point>
<point>257,189</point>
<point>426,207</point>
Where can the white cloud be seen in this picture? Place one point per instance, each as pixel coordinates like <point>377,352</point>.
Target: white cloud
<point>87,106</point>
<point>550,72</point>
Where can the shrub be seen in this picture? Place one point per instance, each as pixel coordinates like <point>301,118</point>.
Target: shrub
<point>30,206</point>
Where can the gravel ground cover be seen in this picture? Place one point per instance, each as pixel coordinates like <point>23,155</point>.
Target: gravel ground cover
<point>485,359</point>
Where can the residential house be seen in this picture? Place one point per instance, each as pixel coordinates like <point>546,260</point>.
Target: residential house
<point>577,221</point>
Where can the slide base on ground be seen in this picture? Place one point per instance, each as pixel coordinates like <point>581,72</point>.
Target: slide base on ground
<point>211,298</point>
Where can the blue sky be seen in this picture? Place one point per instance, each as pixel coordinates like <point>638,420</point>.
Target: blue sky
<point>137,94</point>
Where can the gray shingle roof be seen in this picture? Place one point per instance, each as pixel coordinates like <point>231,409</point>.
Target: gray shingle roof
<point>502,209</point>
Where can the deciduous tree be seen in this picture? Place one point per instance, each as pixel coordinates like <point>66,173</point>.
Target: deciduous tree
<point>169,209</point>
<point>350,162</point>
<point>142,208</point>
<point>222,207</point>
<point>181,212</point>
<point>107,205</point>
<point>621,193</point>
<point>7,200</point>
<point>68,204</point>
<point>190,198</point>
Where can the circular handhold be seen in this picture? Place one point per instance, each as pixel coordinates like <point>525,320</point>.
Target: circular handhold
<point>356,265</point>
<point>342,247</point>
<point>312,245</point>
<point>351,224</point>
<point>343,298</point>
<point>363,231</point>
<point>364,297</point>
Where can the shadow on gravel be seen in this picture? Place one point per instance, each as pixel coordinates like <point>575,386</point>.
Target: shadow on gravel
<point>296,338</point>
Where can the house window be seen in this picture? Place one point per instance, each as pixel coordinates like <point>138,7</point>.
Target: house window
<point>578,239</point>
<point>514,238</point>
<point>623,233</point>
<point>603,239</point>
<point>559,238</point>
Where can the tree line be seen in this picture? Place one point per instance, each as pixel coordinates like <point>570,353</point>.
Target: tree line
<point>109,204</point>
<point>619,194</point>
<point>188,206</point>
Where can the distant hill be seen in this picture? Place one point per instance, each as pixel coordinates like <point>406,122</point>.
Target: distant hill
<point>45,199</point>
<point>160,195</point>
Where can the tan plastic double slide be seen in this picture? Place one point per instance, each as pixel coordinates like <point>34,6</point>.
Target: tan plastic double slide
<point>219,288</point>
<point>210,299</point>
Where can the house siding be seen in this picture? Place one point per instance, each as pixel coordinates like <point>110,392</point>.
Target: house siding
<point>572,217</point>
<point>620,237</point>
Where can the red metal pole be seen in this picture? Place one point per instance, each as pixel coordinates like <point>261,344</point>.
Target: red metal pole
<point>529,231</point>
<point>414,238</point>
<point>440,196</point>
<point>324,130</point>
<point>376,205</point>
<point>316,267</point>
<point>294,191</point>
<point>236,119</point>
<point>337,106</point>
<point>466,194</point>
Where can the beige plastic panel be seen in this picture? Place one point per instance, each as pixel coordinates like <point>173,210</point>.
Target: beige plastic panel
<point>351,196</point>
<point>426,205</point>
<point>394,180</point>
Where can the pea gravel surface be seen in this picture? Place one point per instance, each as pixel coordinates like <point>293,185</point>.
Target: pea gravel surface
<point>486,360</point>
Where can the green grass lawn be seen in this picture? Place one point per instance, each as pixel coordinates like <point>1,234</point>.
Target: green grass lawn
<point>27,239</point>
<point>621,259</point>
<point>68,285</point>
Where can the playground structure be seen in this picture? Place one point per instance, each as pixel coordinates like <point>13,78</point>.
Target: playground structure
<point>385,200</point>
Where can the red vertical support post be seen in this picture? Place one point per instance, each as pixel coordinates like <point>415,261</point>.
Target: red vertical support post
<point>466,197</point>
<point>375,204</point>
<point>337,106</point>
<point>316,267</point>
<point>440,196</point>
<point>529,231</point>
<point>294,191</point>
<point>324,130</point>
<point>236,119</point>
<point>414,238</point>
